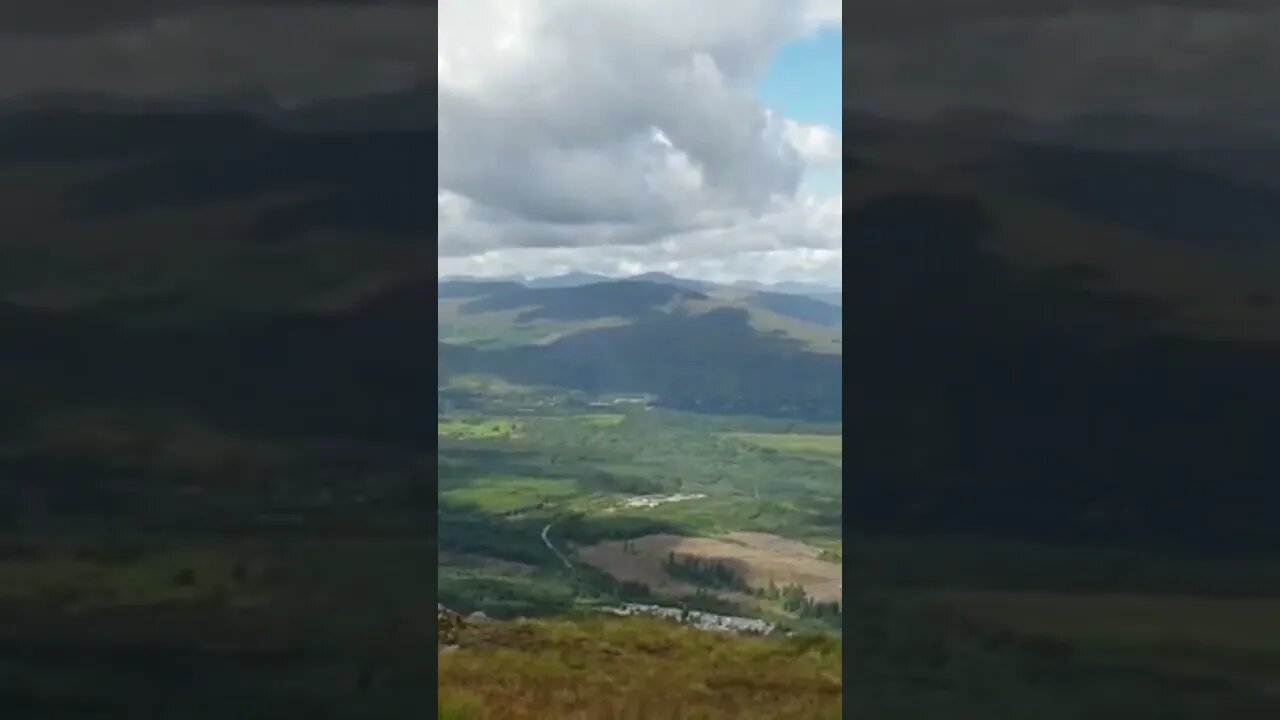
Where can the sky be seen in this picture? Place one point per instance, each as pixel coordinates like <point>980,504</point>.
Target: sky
<point>803,84</point>
<point>630,136</point>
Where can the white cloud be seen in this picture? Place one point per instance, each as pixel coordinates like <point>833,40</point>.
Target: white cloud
<point>817,144</point>
<point>794,240</point>
<point>823,14</point>
<point>623,129</point>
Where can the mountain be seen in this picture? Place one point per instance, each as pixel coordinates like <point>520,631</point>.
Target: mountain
<point>474,279</point>
<point>801,288</point>
<point>799,307</point>
<point>692,350</point>
<point>700,286</point>
<point>451,289</point>
<point>795,315</point>
<point>822,293</point>
<point>573,279</point>
<point>808,303</point>
<point>627,299</point>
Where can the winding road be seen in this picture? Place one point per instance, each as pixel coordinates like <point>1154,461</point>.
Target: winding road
<point>546,541</point>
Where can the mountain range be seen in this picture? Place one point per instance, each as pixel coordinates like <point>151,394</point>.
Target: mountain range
<point>694,345</point>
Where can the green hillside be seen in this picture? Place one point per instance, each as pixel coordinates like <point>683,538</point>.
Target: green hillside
<point>708,350</point>
<point>505,314</point>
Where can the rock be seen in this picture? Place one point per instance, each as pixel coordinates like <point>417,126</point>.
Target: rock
<point>448,625</point>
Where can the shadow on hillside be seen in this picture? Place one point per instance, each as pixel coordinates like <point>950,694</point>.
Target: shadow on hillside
<point>715,362</point>
<point>625,299</point>
<point>358,375</point>
<point>361,181</point>
<point>987,401</point>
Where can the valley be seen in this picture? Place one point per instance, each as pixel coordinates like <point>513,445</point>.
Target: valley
<point>1023,595</point>
<point>571,492</point>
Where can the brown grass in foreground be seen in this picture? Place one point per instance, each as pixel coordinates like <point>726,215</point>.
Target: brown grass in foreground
<point>635,669</point>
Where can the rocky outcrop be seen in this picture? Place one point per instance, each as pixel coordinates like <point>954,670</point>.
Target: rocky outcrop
<point>448,626</point>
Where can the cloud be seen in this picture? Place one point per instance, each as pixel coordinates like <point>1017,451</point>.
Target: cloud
<point>623,127</point>
<point>823,14</point>
<point>1054,58</point>
<point>794,240</point>
<point>816,144</point>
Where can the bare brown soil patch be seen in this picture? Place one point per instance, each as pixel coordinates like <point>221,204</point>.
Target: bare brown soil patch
<point>757,557</point>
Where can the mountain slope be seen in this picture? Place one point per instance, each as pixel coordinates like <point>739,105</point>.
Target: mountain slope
<point>627,299</point>
<point>715,351</point>
<point>573,279</point>
<point>716,361</point>
<point>799,307</point>
<point>505,313</point>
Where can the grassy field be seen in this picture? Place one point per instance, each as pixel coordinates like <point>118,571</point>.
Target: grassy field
<point>635,669</point>
<point>587,476</point>
<point>936,627</point>
<point>822,447</point>
<point>479,429</point>
<point>758,559</point>
<point>620,455</point>
<point>912,662</point>
<point>500,495</point>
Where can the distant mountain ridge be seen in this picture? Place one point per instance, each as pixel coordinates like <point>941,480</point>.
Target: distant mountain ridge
<point>720,350</point>
<point>813,304</point>
<point>574,279</point>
